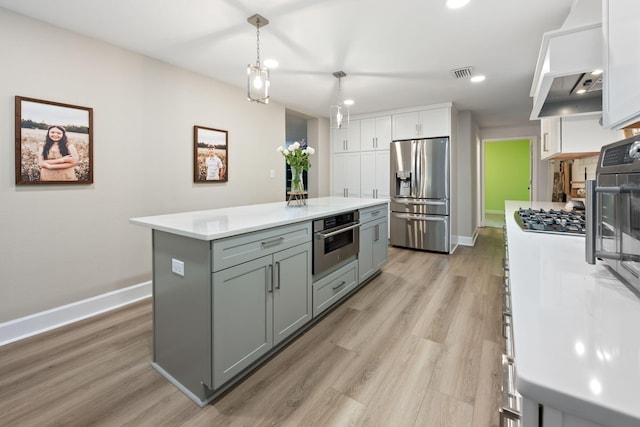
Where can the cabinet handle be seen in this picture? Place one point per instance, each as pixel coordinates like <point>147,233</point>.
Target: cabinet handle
<point>339,286</point>
<point>273,242</point>
<point>377,235</point>
<point>278,268</point>
<point>545,142</point>
<point>375,213</point>
<point>375,142</point>
<point>270,278</point>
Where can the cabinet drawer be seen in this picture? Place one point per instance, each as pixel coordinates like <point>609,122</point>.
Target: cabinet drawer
<point>246,247</point>
<point>375,212</point>
<point>333,287</point>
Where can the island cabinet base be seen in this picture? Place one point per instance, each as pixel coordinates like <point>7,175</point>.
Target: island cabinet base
<point>223,306</point>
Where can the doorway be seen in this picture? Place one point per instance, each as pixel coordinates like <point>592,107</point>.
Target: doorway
<point>507,175</point>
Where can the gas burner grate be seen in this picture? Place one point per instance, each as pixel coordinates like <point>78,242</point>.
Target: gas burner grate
<point>551,221</point>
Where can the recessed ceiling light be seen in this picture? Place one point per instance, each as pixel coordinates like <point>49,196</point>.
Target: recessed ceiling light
<point>456,4</point>
<point>477,79</point>
<point>348,102</point>
<point>581,91</point>
<point>270,63</point>
<point>596,72</point>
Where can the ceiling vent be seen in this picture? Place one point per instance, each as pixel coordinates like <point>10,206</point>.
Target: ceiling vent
<point>461,73</point>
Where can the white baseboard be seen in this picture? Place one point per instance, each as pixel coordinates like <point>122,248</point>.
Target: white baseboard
<point>468,241</point>
<point>24,327</point>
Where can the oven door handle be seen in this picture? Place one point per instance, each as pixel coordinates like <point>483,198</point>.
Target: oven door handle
<point>342,230</point>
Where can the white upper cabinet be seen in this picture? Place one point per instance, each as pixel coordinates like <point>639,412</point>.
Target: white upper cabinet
<point>621,92</point>
<point>375,133</point>
<point>422,124</point>
<point>345,140</point>
<point>575,136</point>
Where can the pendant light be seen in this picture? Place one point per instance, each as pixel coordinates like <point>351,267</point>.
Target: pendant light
<point>257,74</point>
<point>339,113</point>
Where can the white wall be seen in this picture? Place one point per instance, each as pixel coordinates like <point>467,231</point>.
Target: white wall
<point>467,177</point>
<point>61,244</point>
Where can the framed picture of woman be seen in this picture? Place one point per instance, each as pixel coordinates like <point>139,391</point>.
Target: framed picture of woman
<point>210,154</point>
<point>54,142</point>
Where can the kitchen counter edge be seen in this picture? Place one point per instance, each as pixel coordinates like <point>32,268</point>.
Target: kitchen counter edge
<point>214,224</point>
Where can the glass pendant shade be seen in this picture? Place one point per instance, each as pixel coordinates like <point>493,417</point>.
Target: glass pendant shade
<point>339,116</point>
<point>258,83</point>
<point>257,74</point>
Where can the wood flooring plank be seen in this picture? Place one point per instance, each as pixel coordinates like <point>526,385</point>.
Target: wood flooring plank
<point>444,411</point>
<point>406,385</point>
<point>485,408</point>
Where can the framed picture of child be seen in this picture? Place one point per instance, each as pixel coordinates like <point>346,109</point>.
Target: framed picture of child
<point>210,154</point>
<point>53,142</point>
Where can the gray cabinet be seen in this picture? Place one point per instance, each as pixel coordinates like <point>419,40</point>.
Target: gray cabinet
<point>242,310</point>
<point>373,244</point>
<point>333,287</point>
<point>237,300</point>
<point>256,305</point>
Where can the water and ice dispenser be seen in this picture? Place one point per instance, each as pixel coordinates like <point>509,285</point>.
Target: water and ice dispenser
<point>403,183</point>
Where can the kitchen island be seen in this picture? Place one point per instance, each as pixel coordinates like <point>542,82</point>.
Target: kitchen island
<point>575,331</point>
<point>231,286</point>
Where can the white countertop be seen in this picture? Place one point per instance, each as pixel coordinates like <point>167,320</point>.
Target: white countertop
<point>219,223</point>
<point>576,327</point>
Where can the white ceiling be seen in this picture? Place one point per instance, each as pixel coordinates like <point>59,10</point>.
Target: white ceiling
<point>396,53</point>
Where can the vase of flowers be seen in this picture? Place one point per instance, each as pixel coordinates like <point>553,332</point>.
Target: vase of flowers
<point>297,157</point>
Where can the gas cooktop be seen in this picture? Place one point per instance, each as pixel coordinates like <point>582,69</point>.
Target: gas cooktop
<point>551,221</point>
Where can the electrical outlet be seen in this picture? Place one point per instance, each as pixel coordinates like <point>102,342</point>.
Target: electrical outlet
<point>177,267</point>
<point>272,174</point>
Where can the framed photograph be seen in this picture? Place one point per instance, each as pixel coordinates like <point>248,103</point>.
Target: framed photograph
<point>54,143</point>
<point>210,154</point>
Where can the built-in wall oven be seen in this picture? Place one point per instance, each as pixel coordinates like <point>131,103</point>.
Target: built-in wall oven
<point>613,210</point>
<point>335,239</point>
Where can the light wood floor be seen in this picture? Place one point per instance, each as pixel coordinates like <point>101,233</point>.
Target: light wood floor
<point>419,345</point>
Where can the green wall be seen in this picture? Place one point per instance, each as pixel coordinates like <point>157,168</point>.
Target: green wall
<point>506,173</point>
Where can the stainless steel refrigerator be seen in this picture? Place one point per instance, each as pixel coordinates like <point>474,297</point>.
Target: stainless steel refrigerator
<point>420,194</point>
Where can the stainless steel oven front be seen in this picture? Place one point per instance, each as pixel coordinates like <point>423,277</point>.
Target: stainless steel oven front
<point>335,240</point>
<point>613,211</point>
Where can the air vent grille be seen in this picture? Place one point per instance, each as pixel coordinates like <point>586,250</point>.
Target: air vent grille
<point>461,73</point>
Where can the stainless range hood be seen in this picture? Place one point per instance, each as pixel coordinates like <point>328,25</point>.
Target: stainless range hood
<point>566,61</point>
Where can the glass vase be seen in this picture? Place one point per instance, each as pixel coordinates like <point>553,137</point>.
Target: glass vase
<point>297,186</point>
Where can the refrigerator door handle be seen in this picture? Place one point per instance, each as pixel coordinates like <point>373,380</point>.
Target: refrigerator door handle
<point>422,202</point>
<point>427,218</point>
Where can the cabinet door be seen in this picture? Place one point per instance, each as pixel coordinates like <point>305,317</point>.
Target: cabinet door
<point>368,173</point>
<point>292,292</point>
<point>375,133</point>
<point>621,93</point>
<point>365,256</point>
<point>382,176</point>
<point>339,175</point>
<point>353,174</point>
<point>242,317</point>
<point>436,122</point>
<point>550,131</point>
<point>580,134</point>
<point>380,243</point>
<point>353,136</point>
<point>367,134</point>
<point>405,125</point>
<point>383,133</point>
<point>339,140</point>
<point>373,248</point>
